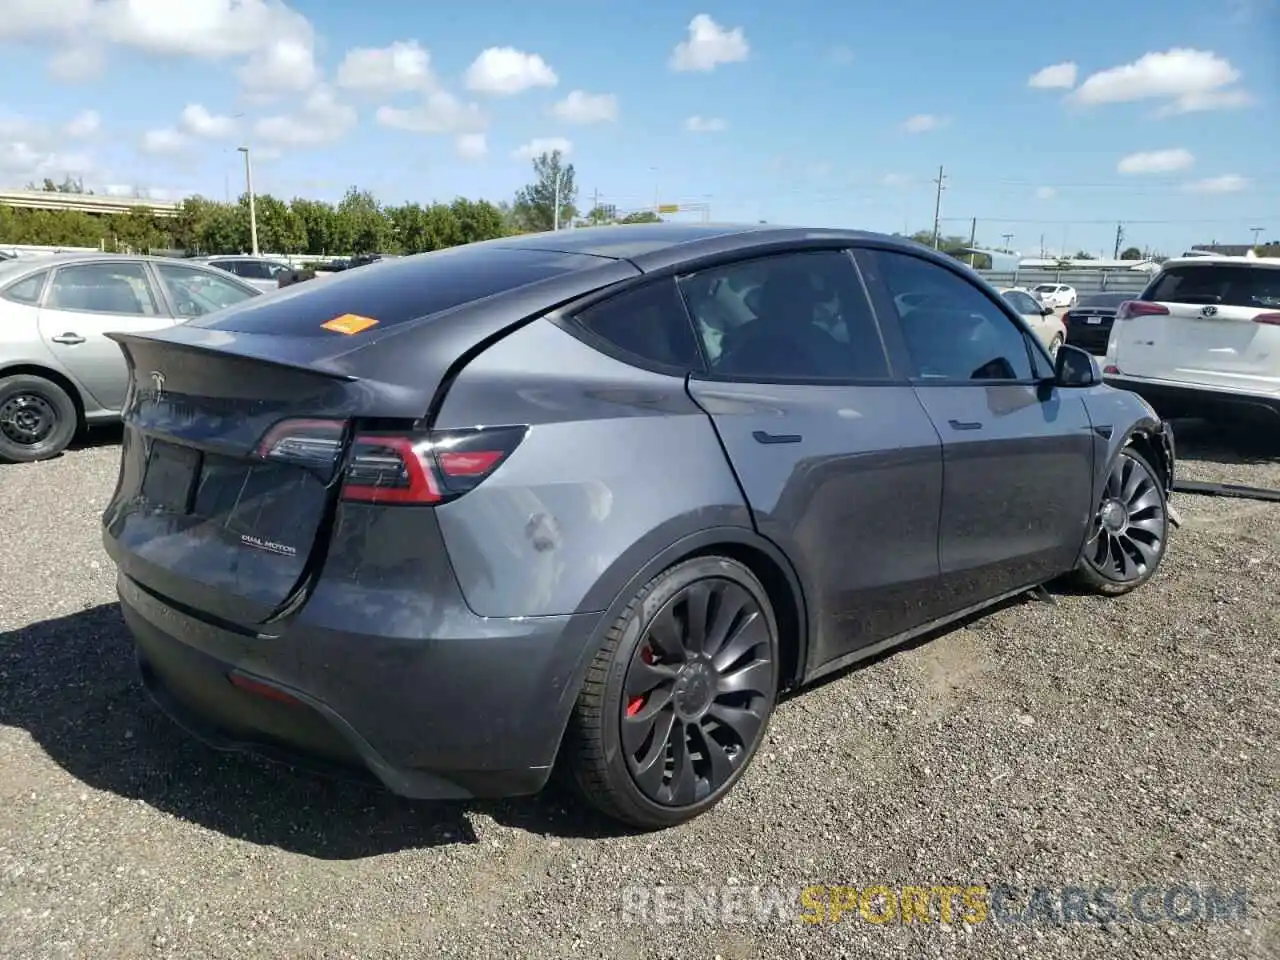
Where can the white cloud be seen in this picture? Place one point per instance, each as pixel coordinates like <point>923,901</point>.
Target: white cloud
<point>504,71</point>
<point>1156,161</point>
<point>1227,183</point>
<point>285,66</point>
<point>708,46</point>
<point>897,180</point>
<point>199,122</point>
<point>581,107</point>
<point>471,146</point>
<point>399,68</point>
<point>923,123</point>
<point>33,151</point>
<point>77,64</point>
<point>165,140</point>
<point>1186,79</point>
<point>84,124</point>
<point>439,112</point>
<point>1045,193</point>
<point>706,125</point>
<point>1059,76</point>
<point>322,119</point>
<point>540,145</point>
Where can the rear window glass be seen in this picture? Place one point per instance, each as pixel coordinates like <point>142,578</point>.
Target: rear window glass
<point>28,290</point>
<point>1104,299</point>
<point>1223,284</point>
<point>396,291</point>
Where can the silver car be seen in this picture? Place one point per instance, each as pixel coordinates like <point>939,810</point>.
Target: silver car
<point>58,370</point>
<point>261,272</point>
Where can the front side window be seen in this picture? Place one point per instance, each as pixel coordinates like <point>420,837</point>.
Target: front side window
<point>253,270</point>
<point>953,331</point>
<point>648,323</point>
<point>120,288</point>
<point>27,290</point>
<point>1021,302</point>
<point>800,316</point>
<point>197,292</point>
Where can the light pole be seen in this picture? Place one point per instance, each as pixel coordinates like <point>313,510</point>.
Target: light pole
<point>248,185</point>
<point>555,214</point>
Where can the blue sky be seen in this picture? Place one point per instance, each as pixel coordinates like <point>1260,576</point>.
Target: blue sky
<point>1162,115</point>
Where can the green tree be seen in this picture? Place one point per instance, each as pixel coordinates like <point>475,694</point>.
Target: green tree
<point>1131,253</point>
<point>279,228</point>
<point>477,220</point>
<point>1084,255</point>
<point>535,204</point>
<point>361,224</point>
<point>641,216</point>
<point>318,221</point>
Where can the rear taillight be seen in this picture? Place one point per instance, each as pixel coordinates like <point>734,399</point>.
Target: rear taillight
<point>1271,319</point>
<point>1140,308</point>
<point>308,443</point>
<point>1111,368</point>
<point>425,468</point>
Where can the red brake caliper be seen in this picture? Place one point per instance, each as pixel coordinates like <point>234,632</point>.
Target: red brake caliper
<point>636,704</point>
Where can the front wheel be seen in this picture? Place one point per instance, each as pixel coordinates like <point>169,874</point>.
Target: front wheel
<point>37,419</point>
<point>677,700</point>
<point>1129,531</point>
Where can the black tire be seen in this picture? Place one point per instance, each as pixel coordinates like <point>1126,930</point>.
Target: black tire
<point>37,419</point>
<point>597,753</point>
<point>1116,562</point>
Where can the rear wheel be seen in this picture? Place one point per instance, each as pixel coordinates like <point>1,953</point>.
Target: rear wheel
<point>677,700</point>
<point>1130,529</point>
<point>37,419</point>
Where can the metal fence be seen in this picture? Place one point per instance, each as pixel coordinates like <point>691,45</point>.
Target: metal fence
<point>1085,281</point>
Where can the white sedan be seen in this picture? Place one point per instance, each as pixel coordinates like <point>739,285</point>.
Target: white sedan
<point>1056,294</point>
<point>1040,317</point>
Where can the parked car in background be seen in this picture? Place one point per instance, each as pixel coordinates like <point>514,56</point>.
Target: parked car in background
<point>1203,340</point>
<point>1040,317</point>
<point>1088,323</point>
<point>364,259</point>
<point>512,504</point>
<point>1055,294</point>
<point>58,370</point>
<point>262,272</point>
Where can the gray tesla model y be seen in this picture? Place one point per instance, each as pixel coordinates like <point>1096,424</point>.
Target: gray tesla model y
<point>596,497</point>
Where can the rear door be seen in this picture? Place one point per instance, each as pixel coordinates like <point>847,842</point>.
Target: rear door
<point>1208,323</point>
<point>836,457</point>
<point>86,301</point>
<point>1017,451</point>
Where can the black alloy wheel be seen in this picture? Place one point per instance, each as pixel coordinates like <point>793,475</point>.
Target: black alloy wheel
<point>677,700</point>
<point>694,692</point>
<point>1130,529</point>
<point>37,419</point>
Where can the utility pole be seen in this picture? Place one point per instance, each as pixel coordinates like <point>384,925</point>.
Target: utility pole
<point>248,185</point>
<point>1257,232</point>
<point>1042,246</point>
<point>973,238</point>
<point>1119,240</point>
<point>595,203</point>
<point>555,214</point>
<point>937,206</point>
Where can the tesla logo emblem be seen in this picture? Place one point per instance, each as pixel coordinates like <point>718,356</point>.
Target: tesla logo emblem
<point>1209,312</point>
<point>157,379</point>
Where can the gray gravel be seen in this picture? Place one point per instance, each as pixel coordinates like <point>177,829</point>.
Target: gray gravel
<point>1129,742</point>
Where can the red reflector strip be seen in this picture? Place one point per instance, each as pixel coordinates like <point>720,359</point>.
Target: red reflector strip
<point>1270,319</point>
<point>260,689</point>
<point>469,463</point>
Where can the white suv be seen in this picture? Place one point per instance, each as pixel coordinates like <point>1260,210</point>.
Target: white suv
<point>1203,340</point>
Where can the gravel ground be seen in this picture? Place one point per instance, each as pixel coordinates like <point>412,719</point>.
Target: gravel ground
<point>1124,743</point>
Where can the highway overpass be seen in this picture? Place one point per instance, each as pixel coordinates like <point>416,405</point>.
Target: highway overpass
<point>85,203</point>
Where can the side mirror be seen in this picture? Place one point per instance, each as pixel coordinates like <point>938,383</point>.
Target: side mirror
<point>1073,367</point>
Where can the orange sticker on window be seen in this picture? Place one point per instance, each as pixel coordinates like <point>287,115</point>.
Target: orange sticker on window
<point>349,323</point>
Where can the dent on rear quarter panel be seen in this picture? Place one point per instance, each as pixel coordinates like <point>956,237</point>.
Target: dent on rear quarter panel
<point>618,465</point>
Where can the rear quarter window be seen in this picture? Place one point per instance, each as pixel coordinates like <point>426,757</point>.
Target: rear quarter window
<point>26,290</point>
<point>648,324</point>
<point>1226,285</point>
<point>397,291</point>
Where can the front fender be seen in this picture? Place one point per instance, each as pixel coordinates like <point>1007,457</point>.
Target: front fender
<point>1122,419</point>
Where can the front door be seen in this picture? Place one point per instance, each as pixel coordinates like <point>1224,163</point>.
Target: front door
<point>84,302</point>
<point>840,464</point>
<point>1017,451</point>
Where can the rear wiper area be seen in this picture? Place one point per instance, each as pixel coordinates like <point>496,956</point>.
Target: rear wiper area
<point>1199,298</point>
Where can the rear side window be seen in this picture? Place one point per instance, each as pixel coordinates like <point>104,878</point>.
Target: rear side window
<point>28,290</point>
<point>648,323</point>
<point>396,291</point>
<point>1226,285</point>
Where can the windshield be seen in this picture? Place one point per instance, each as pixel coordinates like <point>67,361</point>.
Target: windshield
<point>1046,288</point>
